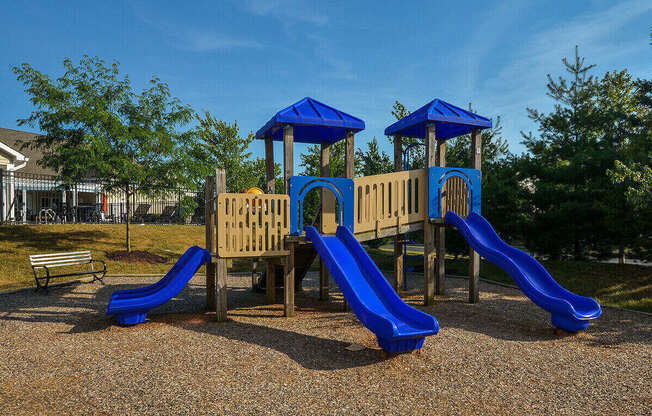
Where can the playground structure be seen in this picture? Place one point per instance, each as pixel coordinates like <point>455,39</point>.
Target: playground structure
<point>270,227</point>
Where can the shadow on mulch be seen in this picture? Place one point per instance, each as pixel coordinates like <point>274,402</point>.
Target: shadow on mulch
<point>501,318</point>
<point>309,351</point>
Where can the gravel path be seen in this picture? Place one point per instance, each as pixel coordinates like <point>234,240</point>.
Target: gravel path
<point>59,354</point>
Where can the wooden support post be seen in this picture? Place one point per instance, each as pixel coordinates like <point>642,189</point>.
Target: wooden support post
<point>349,170</point>
<point>210,241</point>
<point>254,266</point>
<point>349,156</point>
<point>220,266</point>
<point>288,156</point>
<point>474,257</point>
<point>327,217</point>
<point>429,230</point>
<point>399,247</point>
<point>440,269</point>
<point>269,165</point>
<point>270,275</point>
<point>288,302</point>
<point>270,282</point>
<point>288,172</point>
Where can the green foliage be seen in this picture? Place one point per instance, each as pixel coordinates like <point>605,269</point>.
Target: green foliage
<point>224,148</point>
<point>638,180</point>
<point>373,161</point>
<point>417,153</point>
<point>187,206</point>
<point>311,160</point>
<point>574,207</point>
<point>502,194</point>
<point>95,125</point>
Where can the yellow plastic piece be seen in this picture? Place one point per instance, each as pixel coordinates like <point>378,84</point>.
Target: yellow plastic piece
<point>255,190</point>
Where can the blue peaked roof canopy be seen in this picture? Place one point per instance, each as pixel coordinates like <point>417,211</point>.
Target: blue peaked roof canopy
<point>313,122</point>
<point>451,121</point>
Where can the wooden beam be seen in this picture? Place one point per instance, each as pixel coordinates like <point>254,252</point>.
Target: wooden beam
<point>270,176</point>
<point>327,217</point>
<point>399,247</point>
<point>288,156</point>
<point>389,232</point>
<point>210,241</point>
<point>288,301</point>
<point>220,266</point>
<point>474,257</point>
<point>349,171</point>
<point>349,156</point>
<point>328,223</point>
<point>429,230</point>
<point>269,165</point>
<point>440,237</point>
<point>288,172</point>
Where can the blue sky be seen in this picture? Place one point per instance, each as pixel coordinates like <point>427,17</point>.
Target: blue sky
<point>244,60</point>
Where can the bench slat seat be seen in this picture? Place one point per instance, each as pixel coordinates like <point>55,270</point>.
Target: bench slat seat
<point>44,262</point>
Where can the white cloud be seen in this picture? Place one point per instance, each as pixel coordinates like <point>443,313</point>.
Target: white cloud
<point>521,82</point>
<point>198,41</point>
<point>185,37</point>
<point>286,9</point>
<point>334,67</point>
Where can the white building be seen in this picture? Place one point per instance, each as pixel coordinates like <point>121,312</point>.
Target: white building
<point>28,188</point>
<point>28,191</point>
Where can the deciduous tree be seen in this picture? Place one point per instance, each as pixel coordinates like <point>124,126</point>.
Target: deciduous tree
<point>95,125</point>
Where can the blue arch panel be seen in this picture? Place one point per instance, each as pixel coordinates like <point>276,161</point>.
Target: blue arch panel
<point>342,188</point>
<point>437,176</point>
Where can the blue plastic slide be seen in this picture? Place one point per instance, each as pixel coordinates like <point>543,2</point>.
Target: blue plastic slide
<point>398,326</point>
<point>569,311</point>
<point>130,306</point>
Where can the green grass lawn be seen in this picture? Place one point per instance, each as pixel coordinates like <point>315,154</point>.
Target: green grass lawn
<point>627,286</point>
<point>18,242</point>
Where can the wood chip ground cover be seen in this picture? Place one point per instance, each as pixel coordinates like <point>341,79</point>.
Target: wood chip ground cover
<point>59,354</point>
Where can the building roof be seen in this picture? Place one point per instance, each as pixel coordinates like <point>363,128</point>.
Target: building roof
<point>451,121</point>
<point>15,139</point>
<point>313,122</point>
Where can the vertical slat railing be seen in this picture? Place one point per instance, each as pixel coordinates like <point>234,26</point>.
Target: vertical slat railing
<point>389,200</point>
<point>252,225</point>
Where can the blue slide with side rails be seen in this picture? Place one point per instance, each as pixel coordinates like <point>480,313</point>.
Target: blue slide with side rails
<point>130,306</point>
<point>569,311</point>
<point>398,326</point>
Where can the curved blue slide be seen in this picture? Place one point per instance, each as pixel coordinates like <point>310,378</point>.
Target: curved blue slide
<point>130,306</point>
<point>569,311</point>
<point>398,326</point>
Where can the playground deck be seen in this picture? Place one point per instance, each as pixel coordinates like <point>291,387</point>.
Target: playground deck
<point>59,354</point>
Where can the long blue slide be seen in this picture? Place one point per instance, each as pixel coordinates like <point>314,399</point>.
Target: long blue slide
<point>130,306</point>
<point>398,326</point>
<point>569,311</point>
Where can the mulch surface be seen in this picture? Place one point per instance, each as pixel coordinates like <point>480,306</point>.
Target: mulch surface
<point>60,354</point>
<point>136,256</point>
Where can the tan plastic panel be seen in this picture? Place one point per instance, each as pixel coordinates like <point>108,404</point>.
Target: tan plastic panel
<point>252,225</point>
<point>389,200</point>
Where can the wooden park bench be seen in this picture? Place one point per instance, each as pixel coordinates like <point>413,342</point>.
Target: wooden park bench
<point>43,263</point>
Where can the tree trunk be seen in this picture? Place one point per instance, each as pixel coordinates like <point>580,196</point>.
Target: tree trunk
<point>127,219</point>
<point>621,255</point>
<point>578,250</point>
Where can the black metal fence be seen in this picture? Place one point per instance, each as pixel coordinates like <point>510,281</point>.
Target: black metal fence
<point>39,199</point>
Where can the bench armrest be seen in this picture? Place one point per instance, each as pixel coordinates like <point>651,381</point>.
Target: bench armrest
<point>103,271</point>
